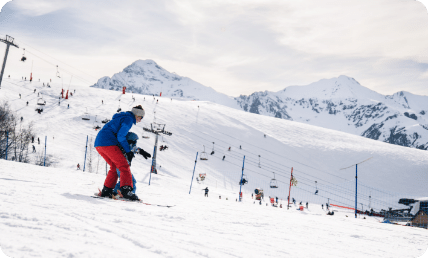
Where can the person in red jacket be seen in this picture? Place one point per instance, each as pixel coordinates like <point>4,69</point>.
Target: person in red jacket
<point>107,144</point>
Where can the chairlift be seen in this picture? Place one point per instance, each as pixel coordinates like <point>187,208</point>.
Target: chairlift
<point>41,101</point>
<point>244,180</point>
<point>86,115</point>
<point>23,58</point>
<point>204,155</point>
<point>105,121</point>
<point>316,187</point>
<point>57,72</point>
<point>119,109</point>
<point>273,182</point>
<point>212,152</point>
<point>145,136</point>
<point>97,127</point>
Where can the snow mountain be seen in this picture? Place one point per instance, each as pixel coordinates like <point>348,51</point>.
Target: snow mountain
<point>148,78</point>
<point>340,103</point>
<point>344,104</point>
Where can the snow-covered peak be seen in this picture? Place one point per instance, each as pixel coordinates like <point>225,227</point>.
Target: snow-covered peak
<point>342,87</point>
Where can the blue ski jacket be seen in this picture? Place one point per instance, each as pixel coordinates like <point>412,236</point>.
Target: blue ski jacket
<point>115,131</point>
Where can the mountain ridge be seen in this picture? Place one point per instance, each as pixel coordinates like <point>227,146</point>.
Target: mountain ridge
<point>340,103</point>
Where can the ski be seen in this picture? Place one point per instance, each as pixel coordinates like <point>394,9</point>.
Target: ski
<point>126,200</point>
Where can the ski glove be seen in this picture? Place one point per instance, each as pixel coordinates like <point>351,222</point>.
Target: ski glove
<point>144,153</point>
<point>130,155</point>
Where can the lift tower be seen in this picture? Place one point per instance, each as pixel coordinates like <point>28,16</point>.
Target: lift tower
<point>8,41</point>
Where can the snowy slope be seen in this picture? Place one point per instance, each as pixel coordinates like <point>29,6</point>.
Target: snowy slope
<point>53,203</point>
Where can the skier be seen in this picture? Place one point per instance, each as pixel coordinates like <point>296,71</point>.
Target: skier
<point>307,205</point>
<point>19,95</point>
<point>32,139</point>
<point>106,143</point>
<point>206,191</point>
<point>224,157</point>
<point>27,103</point>
<point>265,135</point>
<point>276,199</point>
<point>131,138</point>
<point>102,102</point>
<point>322,206</point>
<point>78,166</point>
<point>229,148</point>
<point>240,147</point>
<point>34,148</point>
<point>38,139</point>
<point>68,105</point>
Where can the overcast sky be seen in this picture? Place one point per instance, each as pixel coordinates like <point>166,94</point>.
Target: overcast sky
<point>235,47</point>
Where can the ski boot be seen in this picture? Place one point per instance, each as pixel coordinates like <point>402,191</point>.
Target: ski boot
<point>107,192</point>
<point>127,193</point>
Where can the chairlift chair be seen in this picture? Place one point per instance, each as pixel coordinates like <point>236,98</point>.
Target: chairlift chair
<point>105,121</point>
<point>243,180</point>
<point>41,102</point>
<point>212,152</point>
<point>204,155</point>
<point>57,72</point>
<point>273,182</point>
<point>23,58</point>
<point>86,115</point>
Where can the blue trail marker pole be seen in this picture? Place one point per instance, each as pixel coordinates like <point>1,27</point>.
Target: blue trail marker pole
<point>44,161</point>
<point>84,162</point>
<point>240,184</point>
<point>356,188</point>
<point>193,172</point>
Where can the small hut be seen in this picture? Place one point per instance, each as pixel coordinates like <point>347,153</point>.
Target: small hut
<point>420,219</point>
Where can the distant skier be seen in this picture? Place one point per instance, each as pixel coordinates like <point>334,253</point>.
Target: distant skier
<point>132,139</point>
<point>276,200</point>
<point>32,139</point>
<point>322,206</point>
<point>78,166</point>
<point>38,139</point>
<point>107,143</point>
<point>229,149</point>
<point>307,205</point>
<point>265,135</point>
<point>19,95</point>
<point>34,148</point>
<point>224,157</point>
<point>206,191</point>
<point>68,105</point>
<point>27,103</point>
<point>240,147</point>
<point>102,102</point>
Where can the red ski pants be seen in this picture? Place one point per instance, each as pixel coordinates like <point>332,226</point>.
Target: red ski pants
<point>115,158</point>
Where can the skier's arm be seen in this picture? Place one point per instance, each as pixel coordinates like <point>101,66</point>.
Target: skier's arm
<point>121,135</point>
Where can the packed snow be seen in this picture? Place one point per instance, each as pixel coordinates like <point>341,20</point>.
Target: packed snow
<point>50,212</point>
